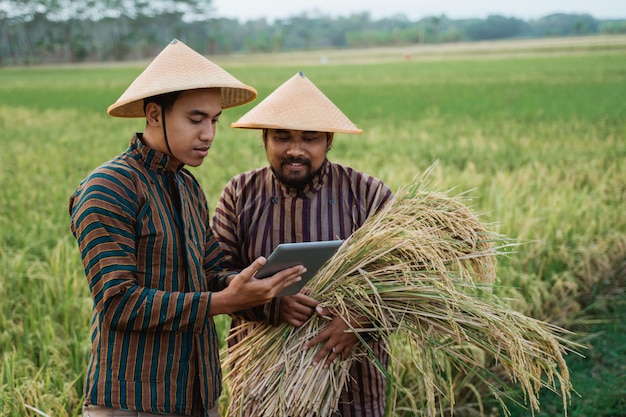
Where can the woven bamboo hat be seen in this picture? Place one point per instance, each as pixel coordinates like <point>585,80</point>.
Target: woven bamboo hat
<point>178,68</point>
<point>297,105</point>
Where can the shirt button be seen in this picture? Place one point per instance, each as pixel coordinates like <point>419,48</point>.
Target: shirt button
<point>274,200</point>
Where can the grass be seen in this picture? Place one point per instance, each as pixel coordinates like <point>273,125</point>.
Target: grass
<point>600,376</point>
<point>538,135</point>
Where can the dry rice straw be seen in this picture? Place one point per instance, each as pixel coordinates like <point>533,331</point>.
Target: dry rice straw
<point>420,270</point>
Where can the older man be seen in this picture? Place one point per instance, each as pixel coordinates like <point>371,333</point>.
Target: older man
<point>302,196</point>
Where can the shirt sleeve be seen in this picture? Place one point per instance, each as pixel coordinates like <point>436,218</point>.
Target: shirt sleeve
<point>225,226</point>
<point>214,263</point>
<point>103,213</point>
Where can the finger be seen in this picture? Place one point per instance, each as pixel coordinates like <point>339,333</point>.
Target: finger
<point>325,354</point>
<point>291,315</point>
<point>294,312</point>
<point>290,276</point>
<point>296,321</point>
<point>318,338</point>
<point>304,308</point>
<point>346,351</point>
<point>304,299</point>
<point>284,278</point>
<point>334,354</point>
<point>300,302</point>
<point>300,313</point>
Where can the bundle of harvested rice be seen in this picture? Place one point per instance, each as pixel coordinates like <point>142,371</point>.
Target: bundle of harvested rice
<point>420,269</point>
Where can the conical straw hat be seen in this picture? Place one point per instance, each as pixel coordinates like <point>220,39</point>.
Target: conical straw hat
<point>297,105</point>
<point>178,68</point>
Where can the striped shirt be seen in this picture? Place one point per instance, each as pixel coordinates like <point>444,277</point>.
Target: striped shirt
<point>256,212</point>
<point>143,229</point>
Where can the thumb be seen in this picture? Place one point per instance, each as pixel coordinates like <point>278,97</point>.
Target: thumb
<point>323,311</point>
<point>254,267</point>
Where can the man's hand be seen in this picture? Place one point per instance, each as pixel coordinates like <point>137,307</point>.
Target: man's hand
<point>296,309</point>
<point>339,340</point>
<point>245,291</point>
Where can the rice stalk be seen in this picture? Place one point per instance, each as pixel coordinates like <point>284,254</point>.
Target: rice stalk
<point>421,269</point>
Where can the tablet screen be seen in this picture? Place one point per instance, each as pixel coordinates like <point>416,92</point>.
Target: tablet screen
<point>313,255</point>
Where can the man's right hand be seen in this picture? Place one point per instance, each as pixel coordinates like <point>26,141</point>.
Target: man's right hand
<point>296,309</point>
<point>245,291</point>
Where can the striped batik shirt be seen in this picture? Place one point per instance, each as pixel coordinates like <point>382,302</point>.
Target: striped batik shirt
<point>256,212</point>
<point>143,229</point>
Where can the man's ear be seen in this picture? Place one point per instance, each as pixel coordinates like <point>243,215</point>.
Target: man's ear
<point>329,140</point>
<point>153,114</point>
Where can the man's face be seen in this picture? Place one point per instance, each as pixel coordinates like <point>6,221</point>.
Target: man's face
<point>191,124</point>
<point>295,155</point>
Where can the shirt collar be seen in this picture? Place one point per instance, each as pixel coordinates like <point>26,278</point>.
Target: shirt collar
<point>152,159</point>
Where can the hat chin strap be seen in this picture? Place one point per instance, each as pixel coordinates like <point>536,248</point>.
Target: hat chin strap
<point>167,142</point>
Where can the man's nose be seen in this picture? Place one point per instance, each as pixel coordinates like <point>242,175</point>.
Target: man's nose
<point>295,148</point>
<point>208,133</point>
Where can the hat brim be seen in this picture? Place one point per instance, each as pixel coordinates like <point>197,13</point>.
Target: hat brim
<point>304,128</point>
<point>180,68</point>
<point>133,107</point>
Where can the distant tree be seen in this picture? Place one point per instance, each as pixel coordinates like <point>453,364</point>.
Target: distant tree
<point>560,24</point>
<point>495,27</point>
<point>41,31</point>
<point>62,10</point>
<point>613,27</point>
<point>451,35</point>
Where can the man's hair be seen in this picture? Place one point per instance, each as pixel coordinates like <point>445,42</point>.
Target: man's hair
<point>166,101</point>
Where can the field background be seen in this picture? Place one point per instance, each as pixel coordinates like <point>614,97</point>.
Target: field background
<point>534,130</point>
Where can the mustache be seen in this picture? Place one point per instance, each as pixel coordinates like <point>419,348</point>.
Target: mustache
<point>296,161</point>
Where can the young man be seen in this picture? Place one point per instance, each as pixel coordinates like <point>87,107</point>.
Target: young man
<point>302,196</point>
<point>152,262</point>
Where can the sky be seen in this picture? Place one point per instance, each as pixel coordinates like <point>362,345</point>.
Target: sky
<point>416,9</point>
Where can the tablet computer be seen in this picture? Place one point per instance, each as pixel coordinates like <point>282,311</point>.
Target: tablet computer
<point>313,255</point>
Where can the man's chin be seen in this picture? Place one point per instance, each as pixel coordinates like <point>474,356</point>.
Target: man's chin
<point>294,181</point>
<point>297,183</point>
<point>297,179</point>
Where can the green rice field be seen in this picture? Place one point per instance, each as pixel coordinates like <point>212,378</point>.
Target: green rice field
<point>533,131</point>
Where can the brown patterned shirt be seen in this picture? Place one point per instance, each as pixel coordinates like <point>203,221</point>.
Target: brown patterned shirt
<point>256,212</point>
<point>143,229</point>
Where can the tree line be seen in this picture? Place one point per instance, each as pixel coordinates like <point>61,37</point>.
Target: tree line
<point>63,31</point>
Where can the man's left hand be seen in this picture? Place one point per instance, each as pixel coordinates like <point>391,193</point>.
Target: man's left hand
<point>338,338</point>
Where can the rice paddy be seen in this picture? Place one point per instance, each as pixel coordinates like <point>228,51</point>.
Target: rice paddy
<point>533,135</point>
